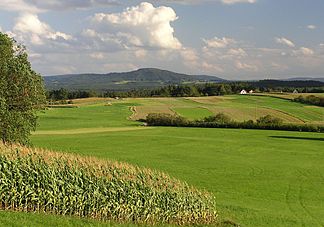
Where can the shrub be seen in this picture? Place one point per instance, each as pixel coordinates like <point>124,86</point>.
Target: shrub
<point>39,181</point>
<point>269,120</point>
<point>163,119</point>
<point>310,99</point>
<point>219,118</point>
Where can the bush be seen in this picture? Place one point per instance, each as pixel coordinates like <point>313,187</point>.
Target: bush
<point>269,120</point>
<point>164,119</point>
<point>220,121</point>
<point>311,100</point>
<point>219,118</point>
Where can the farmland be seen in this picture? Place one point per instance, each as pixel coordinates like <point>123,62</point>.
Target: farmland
<point>259,178</point>
<point>239,108</point>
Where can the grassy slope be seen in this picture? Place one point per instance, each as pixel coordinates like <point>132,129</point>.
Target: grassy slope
<point>193,113</point>
<point>291,95</point>
<point>239,107</point>
<point>260,178</point>
<point>18,219</point>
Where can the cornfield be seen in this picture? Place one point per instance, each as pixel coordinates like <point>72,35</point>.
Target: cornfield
<point>34,180</point>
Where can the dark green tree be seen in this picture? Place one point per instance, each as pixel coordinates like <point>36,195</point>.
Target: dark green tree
<point>21,93</point>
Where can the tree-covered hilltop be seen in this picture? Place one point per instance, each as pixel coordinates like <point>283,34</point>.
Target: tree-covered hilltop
<point>139,79</point>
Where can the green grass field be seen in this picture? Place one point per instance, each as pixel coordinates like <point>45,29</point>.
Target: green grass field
<point>238,107</point>
<point>259,178</point>
<point>18,219</point>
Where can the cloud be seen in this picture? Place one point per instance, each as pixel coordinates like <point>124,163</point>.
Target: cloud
<point>68,4</point>
<point>28,27</point>
<point>36,6</point>
<point>311,27</point>
<point>143,36</point>
<point>285,41</point>
<point>189,54</point>
<point>239,52</point>
<point>17,5</point>
<point>196,2</point>
<point>219,42</point>
<point>245,66</point>
<point>231,2</point>
<point>139,26</point>
<point>304,51</point>
<point>212,68</point>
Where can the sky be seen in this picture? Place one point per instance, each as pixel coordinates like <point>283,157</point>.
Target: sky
<point>232,39</point>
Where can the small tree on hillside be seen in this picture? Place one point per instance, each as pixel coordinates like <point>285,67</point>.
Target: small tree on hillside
<point>21,93</point>
<point>219,118</point>
<point>269,120</point>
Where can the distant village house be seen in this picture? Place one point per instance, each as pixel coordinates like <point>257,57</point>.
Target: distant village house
<point>243,92</point>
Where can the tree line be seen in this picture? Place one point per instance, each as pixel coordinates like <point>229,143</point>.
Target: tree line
<point>190,90</point>
<point>311,100</point>
<point>221,120</point>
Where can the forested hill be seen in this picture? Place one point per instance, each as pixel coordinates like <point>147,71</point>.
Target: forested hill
<point>142,78</point>
<point>287,83</point>
<point>321,79</point>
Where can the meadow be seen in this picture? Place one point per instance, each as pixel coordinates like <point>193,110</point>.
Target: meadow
<point>259,178</point>
<point>238,107</point>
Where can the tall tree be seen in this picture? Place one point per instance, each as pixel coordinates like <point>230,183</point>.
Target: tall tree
<point>21,92</point>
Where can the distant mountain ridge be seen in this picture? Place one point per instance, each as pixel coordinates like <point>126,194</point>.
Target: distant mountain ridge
<point>321,79</point>
<point>142,78</point>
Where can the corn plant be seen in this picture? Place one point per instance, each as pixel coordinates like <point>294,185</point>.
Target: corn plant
<point>40,181</point>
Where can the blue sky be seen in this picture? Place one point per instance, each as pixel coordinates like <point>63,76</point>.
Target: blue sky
<point>233,39</point>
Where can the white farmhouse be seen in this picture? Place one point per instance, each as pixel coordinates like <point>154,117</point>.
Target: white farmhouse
<point>243,92</point>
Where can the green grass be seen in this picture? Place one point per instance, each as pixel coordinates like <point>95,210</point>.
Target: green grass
<point>193,113</point>
<point>90,116</point>
<point>259,178</point>
<point>18,219</point>
<point>238,107</point>
<point>301,111</point>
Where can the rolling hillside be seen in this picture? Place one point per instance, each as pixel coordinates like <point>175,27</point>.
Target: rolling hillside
<point>259,177</point>
<point>142,78</point>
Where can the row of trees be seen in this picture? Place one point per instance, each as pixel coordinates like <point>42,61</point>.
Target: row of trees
<point>223,121</point>
<point>64,94</point>
<point>191,90</point>
<point>310,99</point>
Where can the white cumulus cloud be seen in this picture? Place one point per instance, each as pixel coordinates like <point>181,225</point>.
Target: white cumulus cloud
<point>142,26</point>
<point>28,27</point>
<point>239,52</point>
<point>219,42</point>
<point>304,51</point>
<point>285,41</point>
